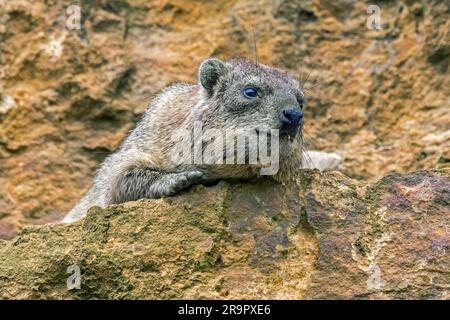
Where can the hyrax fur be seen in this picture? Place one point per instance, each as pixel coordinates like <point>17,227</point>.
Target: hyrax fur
<point>232,95</point>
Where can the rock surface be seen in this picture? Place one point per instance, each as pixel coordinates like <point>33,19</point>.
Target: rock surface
<point>325,236</point>
<point>68,97</point>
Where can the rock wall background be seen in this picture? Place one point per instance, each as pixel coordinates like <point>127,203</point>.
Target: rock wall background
<point>68,97</point>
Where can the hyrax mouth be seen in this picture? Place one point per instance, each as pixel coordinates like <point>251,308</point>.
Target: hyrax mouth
<point>266,132</point>
<point>282,135</point>
<point>288,135</point>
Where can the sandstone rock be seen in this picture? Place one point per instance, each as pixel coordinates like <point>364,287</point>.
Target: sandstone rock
<point>77,93</point>
<point>324,236</point>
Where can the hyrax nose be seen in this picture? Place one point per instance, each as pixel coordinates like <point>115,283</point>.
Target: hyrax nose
<point>291,118</point>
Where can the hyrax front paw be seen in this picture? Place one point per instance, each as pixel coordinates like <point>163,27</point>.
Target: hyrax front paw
<point>184,180</point>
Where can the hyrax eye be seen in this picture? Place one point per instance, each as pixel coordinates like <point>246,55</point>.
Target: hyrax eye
<point>250,92</point>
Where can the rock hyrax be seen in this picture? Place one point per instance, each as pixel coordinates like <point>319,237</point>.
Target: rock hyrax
<point>231,96</point>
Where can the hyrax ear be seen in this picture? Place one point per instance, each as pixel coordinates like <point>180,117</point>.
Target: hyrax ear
<point>209,73</point>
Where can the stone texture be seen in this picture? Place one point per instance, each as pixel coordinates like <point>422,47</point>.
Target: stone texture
<point>68,97</point>
<point>324,236</point>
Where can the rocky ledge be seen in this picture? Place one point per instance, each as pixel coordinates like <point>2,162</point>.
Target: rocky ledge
<point>323,236</point>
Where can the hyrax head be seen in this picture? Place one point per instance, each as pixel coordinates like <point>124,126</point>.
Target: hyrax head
<point>245,95</point>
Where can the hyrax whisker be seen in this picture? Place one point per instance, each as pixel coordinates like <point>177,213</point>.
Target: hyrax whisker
<point>306,80</point>
<point>312,87</point>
